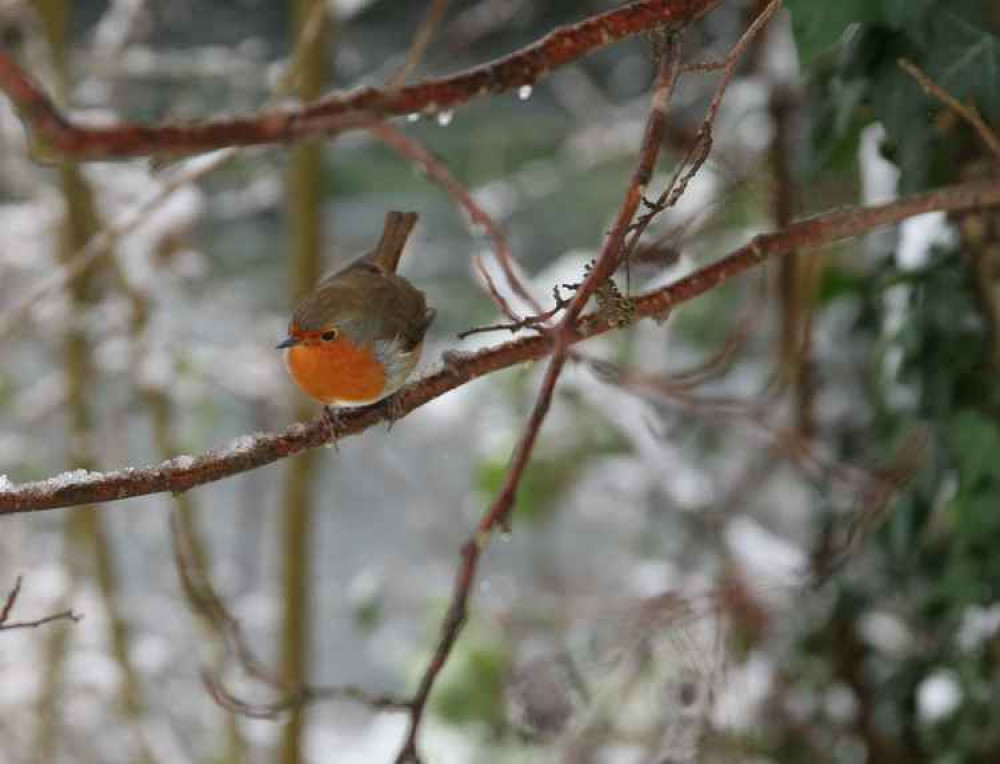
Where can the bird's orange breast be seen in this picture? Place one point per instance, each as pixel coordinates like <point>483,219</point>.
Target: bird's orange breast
<point>337,373</point>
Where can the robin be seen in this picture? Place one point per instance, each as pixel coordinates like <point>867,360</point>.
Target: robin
<point>355,339</point>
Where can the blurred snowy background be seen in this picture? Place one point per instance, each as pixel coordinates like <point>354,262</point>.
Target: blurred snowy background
<point>646,604</point>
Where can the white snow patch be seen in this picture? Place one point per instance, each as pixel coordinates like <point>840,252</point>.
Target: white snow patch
<point>244,443</point>
<point>979,624</point>
<point>938,696</point>
<point>918,235</point>
<point>885,632</point>
<point>71,478</point>
<point>182,462</point>
<point>765,552</point>
<point>879,176</point>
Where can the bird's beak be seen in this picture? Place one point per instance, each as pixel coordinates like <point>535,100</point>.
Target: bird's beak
<point>288,342</point>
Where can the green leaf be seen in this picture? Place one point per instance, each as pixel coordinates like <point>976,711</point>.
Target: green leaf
<point>964,58</point>
<point>471,686</point>
<point>837,282</point>
<point>836,130</point>
<point>542,484</point>
<point>817,26</point>
<point>977,447</point>
<point>548,476</point>
<point>902,109</point>
<point>978,518</point>
<point>914,16</point>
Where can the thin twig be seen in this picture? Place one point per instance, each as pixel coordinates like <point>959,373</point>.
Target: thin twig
<point>304,696</point>
<point>529,322</point>
<point>438,172</point>
<point>874,488</point>
<point>701,148</point>
<point>797,275</point>
<point>8,608</point>
<point>801,451</point>
<point>491,288</point>
<point>425,32</point>
<point>65,615</point>
<point>718,362</point>
<point>312,32</point>
<point>967,112</point>
<point>205,600</point>
<point>11,600</point>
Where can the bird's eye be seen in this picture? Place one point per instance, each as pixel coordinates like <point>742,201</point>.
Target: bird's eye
<point>329,336</point>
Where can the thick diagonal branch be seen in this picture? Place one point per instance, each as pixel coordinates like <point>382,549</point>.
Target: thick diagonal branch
<point>342,111</point>
<point>252,451</point>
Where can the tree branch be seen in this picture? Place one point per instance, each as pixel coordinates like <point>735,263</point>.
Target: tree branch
<point>251,451</point>
<point>342,111</point>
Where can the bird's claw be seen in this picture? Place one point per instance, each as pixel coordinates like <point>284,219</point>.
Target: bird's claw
<point>334,424</point>
<point>393,409</point>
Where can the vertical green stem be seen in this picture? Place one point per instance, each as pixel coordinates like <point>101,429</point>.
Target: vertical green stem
<point>305,234</point>
<point>796,272</point>
<point>85,539</point>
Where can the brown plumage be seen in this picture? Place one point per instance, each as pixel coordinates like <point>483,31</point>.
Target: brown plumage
<point>356,338</point>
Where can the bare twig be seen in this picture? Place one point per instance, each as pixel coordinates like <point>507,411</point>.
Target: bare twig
<point>718,362</point>
<point>312,22</point>
<point>873,488</point>
<point>425,32</point>
<point>802,451</point>
<point>968,112</point>
<point>498,299</point>
<point>7,625</point>
<point>206,601</point>
<point>343,111</point>
<point>254,451</point>
<point>302,697</point>
<point>876,490</point>
<point>437,172</point>
<point>11,600</point>
<point>298,499</point>
<point>65,615</point>
<point>529,322</point>
<point>701,148</point>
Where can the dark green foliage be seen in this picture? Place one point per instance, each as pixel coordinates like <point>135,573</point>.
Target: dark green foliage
<point>936,556</point>
<point>861,81</point>
<point>554,471</point>
<point>471,688</point>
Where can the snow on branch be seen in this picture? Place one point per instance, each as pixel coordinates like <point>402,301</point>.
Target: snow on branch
<point>251,451</point>
<point>343,111</point>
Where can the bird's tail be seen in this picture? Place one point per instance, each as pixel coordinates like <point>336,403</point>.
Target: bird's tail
<point>395,232</point>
